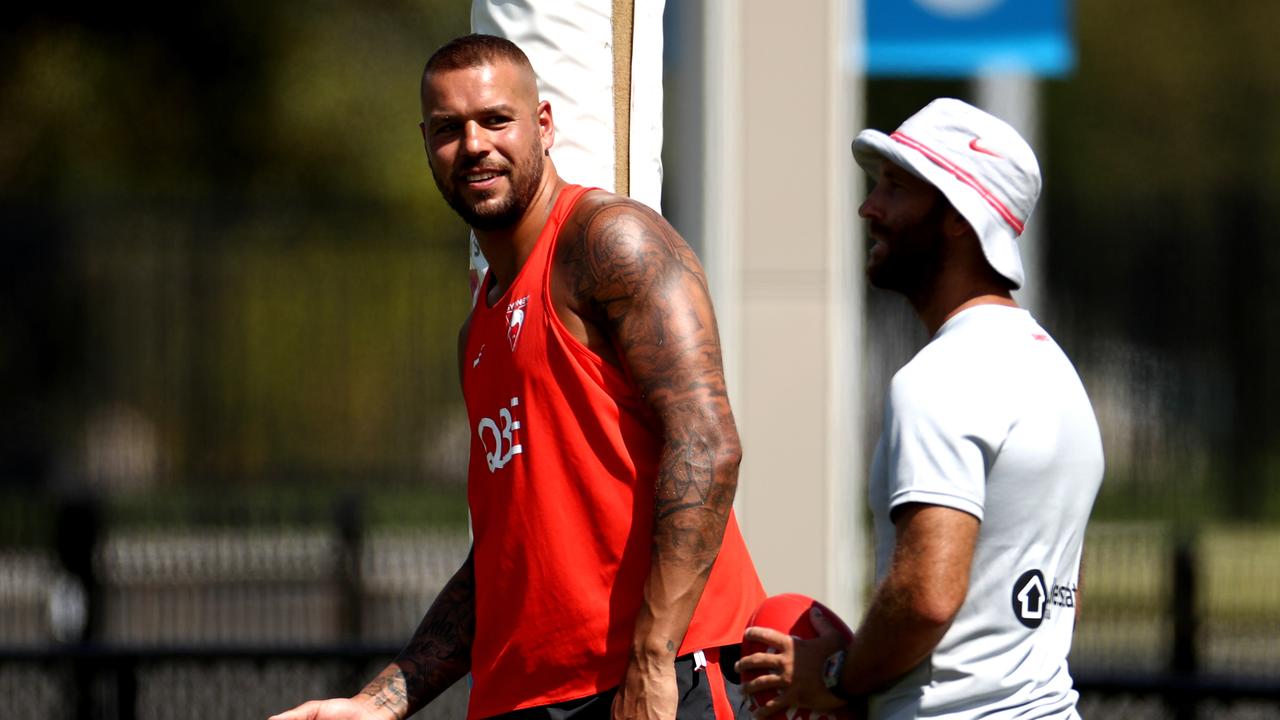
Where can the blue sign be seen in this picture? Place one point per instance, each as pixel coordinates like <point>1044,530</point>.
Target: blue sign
<point>959,38</point>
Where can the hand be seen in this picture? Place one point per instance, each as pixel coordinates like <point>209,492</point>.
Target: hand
<point>794,668</point>
<point>648,692</point>
<point>334,709</point>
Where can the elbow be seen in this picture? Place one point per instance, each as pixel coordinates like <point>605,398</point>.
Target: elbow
<point>730,453</point>
<point>728,459</point>
<point>699,465</point>
<point>936,609</point>
<point>711,442</point>
<point>924,601</point>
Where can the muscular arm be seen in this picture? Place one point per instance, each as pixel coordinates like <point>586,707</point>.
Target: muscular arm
<point>437,656</point>
<point>912,608</point>
<point>638,280</point>
<point>439,653</point>
<point>914,605</point>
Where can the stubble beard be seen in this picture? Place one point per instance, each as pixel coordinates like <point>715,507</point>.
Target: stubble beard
<point>524,177</point>
<point>913,258</point>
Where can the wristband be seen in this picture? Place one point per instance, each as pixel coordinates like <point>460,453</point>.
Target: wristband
<point>831,672</point>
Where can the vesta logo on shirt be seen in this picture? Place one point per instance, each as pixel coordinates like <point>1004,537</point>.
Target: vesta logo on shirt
<point>1034,598</point>
<point>515,320</point>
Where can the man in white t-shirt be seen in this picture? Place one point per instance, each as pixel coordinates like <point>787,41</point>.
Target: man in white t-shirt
<point>989,462</point>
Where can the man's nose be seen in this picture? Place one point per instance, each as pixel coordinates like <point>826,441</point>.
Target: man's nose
<point>873,206</point>
<point>473,138</point>
<point>867,209</point>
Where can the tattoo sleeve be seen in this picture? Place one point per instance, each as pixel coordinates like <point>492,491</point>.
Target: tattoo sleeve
<point>438,654</point>
<point>647,290</point>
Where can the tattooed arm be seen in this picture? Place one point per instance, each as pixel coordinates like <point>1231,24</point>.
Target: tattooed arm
<point>435,658</point>
<point>438,654</point>
<point>633,276</point>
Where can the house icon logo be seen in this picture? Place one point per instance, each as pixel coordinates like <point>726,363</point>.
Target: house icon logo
<point>1030,598</point>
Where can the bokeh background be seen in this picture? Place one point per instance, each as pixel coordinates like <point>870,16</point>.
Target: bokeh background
<point>231,441</point>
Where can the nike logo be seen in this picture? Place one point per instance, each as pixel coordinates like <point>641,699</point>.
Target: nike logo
<point>480,354</point>
<point>973,145</point>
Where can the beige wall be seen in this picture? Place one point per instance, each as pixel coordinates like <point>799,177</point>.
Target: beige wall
<point>779,247</point>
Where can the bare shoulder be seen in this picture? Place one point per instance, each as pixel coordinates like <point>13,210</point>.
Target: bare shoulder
<point>613,246</point>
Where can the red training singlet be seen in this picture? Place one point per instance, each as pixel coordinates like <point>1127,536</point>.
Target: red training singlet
<point>564,457</point>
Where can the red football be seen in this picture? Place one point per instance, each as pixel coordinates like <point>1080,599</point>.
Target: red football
<point>789,613</point>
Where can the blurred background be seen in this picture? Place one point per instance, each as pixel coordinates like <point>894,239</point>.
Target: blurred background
<point>231,444</point>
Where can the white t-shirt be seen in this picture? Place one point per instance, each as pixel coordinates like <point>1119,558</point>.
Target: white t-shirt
<point>991,418</point>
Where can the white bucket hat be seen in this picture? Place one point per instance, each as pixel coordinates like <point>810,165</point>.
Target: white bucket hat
<point>981,164</point>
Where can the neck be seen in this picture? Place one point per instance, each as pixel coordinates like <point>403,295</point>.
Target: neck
<point>508,248</point>
<point>943,303</point>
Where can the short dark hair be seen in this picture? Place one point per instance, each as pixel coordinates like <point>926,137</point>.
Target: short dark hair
<point>474,50</point>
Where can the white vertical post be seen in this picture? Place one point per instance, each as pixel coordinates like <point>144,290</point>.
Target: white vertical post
<point>1014,97</point>
<point>847,568</point>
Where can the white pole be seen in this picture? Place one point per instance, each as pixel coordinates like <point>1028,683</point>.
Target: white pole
<point>848,569</point>
<point>1014,98</point>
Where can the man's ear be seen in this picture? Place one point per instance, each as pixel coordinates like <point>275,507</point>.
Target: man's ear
<point>546,126</point>
<point>954,225</point>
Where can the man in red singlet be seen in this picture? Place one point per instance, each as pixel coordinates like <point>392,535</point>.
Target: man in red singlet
<point>608,577</point>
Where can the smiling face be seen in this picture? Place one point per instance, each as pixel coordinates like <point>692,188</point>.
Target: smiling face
<point>486,135</point>
<point>904,215</point>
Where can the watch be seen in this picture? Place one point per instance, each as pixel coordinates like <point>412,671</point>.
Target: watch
<point>831,672</point>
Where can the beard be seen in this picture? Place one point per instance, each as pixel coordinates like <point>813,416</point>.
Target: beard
<point>913,255</point>
<point>490,213</point>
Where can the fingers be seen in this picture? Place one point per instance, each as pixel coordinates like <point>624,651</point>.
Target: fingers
<point>763,663</point>
<point>772,670</point>
<point>305,711</point>
<point>769,637</point>
<point>775,659</point>
<point>755,686</point>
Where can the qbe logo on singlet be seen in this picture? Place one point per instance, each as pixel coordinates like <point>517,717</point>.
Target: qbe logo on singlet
<point>498,436</point>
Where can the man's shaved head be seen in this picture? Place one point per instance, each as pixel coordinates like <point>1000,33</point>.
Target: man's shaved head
<point>475,50</point>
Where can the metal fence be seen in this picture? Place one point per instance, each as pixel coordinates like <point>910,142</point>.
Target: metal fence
<point>1180,624</point>
<point>221,620</point>
<point>231,620</point>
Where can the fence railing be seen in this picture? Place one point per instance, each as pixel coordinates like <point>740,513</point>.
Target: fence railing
<point>242,621</point>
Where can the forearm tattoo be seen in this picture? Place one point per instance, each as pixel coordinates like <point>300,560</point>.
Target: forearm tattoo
<point>644,285</point>
<point>438,654</point>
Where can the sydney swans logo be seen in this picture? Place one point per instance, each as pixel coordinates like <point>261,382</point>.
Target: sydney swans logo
<point>515,320</point>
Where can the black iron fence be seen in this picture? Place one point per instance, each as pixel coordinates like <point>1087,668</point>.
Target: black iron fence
<point>223,617</point>
<point>235,620</point>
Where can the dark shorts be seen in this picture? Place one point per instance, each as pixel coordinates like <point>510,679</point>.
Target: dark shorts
<point>701,691</point>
